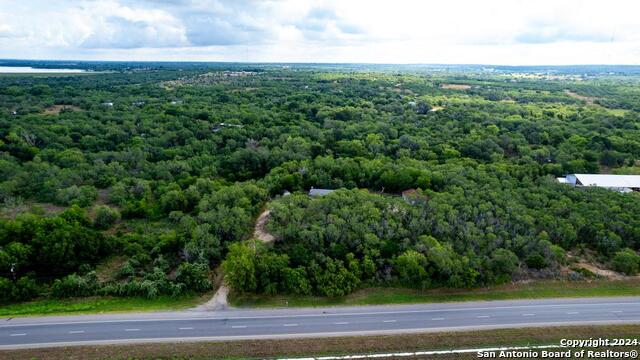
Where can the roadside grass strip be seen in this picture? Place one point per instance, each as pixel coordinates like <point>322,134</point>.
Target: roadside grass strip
<point>428,353</point>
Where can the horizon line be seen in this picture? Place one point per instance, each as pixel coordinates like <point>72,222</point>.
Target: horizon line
<point>311,63</point>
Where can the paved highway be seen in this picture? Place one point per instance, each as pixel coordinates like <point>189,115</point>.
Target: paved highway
<point>284,323</point>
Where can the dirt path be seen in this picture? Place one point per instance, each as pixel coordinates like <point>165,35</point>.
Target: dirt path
<point>609,274</point>
<point>260,232</point>
<point>588,99</point>
<point>219,299</point>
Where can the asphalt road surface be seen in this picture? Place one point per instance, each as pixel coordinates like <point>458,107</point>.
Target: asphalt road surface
<point>318,322</point>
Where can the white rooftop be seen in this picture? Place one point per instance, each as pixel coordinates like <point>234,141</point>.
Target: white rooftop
<point>610,181</point>
<point>320,192</point>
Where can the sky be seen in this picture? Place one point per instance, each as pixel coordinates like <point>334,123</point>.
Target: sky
<point>501,32</point>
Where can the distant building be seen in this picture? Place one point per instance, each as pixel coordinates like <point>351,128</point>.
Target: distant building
<point>217,128</point>
<point>320,192</point>
<point>414,197</point>
<point>621,183</point>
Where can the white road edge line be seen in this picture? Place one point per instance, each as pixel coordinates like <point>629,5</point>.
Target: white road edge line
<point>341,323</point>
<point>238,326</point>
<point>573,313</point>
<point>290,325</point>
<point>528,314</point>
<point>185,328</point>
<point>131,329</point>
<point>437,318</point>
<point>309,335</point>
<point>389,321</point>
<point>482,316</point>
<point>21,334</point>
<point>76,332</point>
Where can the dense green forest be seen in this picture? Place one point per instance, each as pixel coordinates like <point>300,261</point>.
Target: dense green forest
<point>158,172</point>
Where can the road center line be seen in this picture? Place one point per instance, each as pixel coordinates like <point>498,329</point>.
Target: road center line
<point>424,311</point>
<point>20,334</point>
<point>389,321</point>
<point>340,323</point>
<point>573,313</point>
<point>76,332</point>
<point>185,328</point>
<point>483,316</point>
<point>528,314</point>
<point>437,318</point>
<point>238,326</point>
<point>131,329</point>
<point>290,325</point>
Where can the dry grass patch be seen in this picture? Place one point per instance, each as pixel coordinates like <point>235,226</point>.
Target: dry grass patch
<point>56,109</point>
<point>588,99</point>
<point>455,86</point>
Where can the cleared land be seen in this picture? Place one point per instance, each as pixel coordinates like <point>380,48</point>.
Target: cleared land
<point>587,99</point>
<point>455,86</point>
<point>100,305</point>
<point>56,109</point>
<point>334,346</point>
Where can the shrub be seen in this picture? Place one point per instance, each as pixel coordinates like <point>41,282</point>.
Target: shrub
<point>82,196</point>
<point>6,289</point>
<point>503,264</point>
<point>25,288</point>
<point>559,254</point>
<point>75,286</point>
<point>195,277</point>
<point>410,267</point>
<point>105,217</point>
<point>536,261</point>
<point>626,261</point>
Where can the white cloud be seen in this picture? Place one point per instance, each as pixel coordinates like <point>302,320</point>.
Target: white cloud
<point>397,31</point>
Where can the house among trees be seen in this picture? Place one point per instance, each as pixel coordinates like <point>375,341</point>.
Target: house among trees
<point>414,197</point>
<point>319,192</point>
<point>621,183</point>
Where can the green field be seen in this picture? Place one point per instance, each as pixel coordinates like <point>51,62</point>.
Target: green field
<point>100,305</point>
<point>380,296</point>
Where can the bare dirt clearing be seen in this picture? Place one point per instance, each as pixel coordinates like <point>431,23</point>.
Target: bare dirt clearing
<point>455,86</point>
<point>56,109</point>
<point>260,232</point>
<point>219,300</point>
<point>588,99</point>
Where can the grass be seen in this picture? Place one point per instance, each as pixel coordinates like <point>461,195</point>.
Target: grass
<point>100,305</point>
<point>332,345</point>
<point>380,296</point>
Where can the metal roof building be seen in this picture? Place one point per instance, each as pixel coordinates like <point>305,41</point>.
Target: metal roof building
<point>320,192</point>
<point>623,183</point>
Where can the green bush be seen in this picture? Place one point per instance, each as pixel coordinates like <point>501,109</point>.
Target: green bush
<point>195,277</point>
<point>24,289</point>
<point>503,264</point>
<point>410,267</point>
<point>6,289</point>
<point>536,261</point>
<point>82,196</point>
<point>74,285</point>
<point>627,261</point>
<point>105,217</point>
